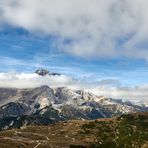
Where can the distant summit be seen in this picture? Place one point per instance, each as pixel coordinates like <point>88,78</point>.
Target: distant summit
<point>44,72</point>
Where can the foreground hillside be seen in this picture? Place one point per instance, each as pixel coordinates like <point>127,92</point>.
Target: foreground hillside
<point>126,131</point>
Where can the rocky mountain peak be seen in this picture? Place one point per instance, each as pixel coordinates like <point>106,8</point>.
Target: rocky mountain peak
<point>44,104</point>
<point>44,72</point>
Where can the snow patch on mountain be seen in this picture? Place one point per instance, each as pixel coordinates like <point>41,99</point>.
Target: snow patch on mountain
<point>43,102</point>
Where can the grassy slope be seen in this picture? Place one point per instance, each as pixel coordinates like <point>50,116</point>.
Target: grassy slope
<point>126,131</point>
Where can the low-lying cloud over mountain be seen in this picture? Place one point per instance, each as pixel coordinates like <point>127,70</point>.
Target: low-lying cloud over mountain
<point>86,28</point>
<point>109,88</point>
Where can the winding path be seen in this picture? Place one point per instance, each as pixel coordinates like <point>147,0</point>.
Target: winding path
<point>37,145</point>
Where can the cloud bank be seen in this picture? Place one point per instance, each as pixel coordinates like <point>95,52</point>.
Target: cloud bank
<point>85,28</point>
<point>110,88</point>
<point>23,80</point>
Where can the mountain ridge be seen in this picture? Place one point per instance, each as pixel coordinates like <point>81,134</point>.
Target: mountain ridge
<point>44,105</point>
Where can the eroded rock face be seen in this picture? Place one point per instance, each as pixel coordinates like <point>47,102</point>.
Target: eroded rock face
<point>7,94</point>
<point>44,105</point>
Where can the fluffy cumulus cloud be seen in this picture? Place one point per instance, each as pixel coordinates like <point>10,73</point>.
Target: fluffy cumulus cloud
<point>109,88</point>
<point>86,28</point>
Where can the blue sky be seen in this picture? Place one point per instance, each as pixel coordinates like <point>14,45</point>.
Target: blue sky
<point>21,51</point>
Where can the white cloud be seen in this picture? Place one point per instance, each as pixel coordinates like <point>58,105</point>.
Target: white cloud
<point>136,93</point>
<point>24,80</point>
<point>109,88</point>
<point>92,27</point>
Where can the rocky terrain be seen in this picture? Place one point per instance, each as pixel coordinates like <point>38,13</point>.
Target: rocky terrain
<point>44,105</point>
<point>126,131</point>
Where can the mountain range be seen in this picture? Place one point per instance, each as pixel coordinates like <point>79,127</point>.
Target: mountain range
<point>44,105</point>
